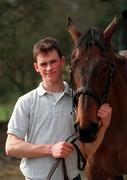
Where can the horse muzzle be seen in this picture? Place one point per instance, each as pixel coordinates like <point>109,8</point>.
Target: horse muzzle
<point>87,135</point>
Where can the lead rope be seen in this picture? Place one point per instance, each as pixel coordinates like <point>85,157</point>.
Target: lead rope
<point>72,90</point>
<point>81,162</point>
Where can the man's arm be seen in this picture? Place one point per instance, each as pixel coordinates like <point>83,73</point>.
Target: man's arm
<point>17,147</point>
<point>104,113</point>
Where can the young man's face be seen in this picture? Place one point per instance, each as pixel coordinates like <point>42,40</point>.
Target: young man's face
<point>50,66</point>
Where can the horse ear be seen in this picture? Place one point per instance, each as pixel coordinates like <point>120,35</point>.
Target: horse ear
<point>108,32</point>
<point>73,30</point>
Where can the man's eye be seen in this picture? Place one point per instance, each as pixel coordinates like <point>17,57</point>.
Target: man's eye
<point>43,64</point>
<point>54,61</point>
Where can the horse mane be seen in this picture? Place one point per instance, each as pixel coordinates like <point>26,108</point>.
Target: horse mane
<point>92,37</point>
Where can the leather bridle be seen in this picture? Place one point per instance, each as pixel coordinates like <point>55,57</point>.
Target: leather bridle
<point>86,91</point>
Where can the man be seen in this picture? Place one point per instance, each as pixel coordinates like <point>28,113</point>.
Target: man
<point>42,119</point>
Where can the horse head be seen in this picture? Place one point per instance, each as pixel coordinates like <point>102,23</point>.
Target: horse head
<point>92,69</point>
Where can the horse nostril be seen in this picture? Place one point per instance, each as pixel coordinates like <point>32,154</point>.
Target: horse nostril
<point>88,135</point>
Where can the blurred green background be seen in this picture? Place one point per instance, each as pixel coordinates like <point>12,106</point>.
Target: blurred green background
<point>24,22</point>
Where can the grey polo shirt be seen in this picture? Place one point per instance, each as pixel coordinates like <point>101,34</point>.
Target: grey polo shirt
<point>41,119</point>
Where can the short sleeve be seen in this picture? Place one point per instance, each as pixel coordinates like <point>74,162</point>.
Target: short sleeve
<point>18,123</point>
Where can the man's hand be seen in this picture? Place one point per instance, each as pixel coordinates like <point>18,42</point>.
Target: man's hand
<point>62,149</point>
<point>104,113</point>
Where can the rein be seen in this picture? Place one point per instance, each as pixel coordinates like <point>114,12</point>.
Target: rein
<point>81,162</point>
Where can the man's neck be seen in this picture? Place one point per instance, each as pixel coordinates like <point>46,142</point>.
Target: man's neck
<point>54,88</point>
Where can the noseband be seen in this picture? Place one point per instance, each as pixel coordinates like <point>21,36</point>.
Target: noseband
<point>86,91</point>
<point>93,128</point>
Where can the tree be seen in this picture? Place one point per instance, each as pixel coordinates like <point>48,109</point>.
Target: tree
<point>23,22</point>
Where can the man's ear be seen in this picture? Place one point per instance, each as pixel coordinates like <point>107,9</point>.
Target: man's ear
<point>63,59</point>
<point>36,67</point>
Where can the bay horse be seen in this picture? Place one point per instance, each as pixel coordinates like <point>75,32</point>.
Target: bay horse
<point>100,75</point>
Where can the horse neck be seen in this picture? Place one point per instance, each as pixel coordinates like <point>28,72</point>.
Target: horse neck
<point>118,94</point>
<point>120,76</point>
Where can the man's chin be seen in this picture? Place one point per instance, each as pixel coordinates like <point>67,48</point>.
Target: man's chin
<point>51,80</point>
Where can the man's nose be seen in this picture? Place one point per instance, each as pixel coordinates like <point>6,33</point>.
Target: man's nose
<point>49,66</point>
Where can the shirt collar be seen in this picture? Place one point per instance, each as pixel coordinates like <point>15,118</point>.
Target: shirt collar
<point>41,90</point>
<point>67,89</point>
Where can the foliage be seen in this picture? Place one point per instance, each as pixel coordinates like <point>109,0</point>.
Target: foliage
<point>5,112</point>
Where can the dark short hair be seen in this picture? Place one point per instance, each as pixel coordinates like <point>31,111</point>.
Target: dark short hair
<point>45,45</point>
